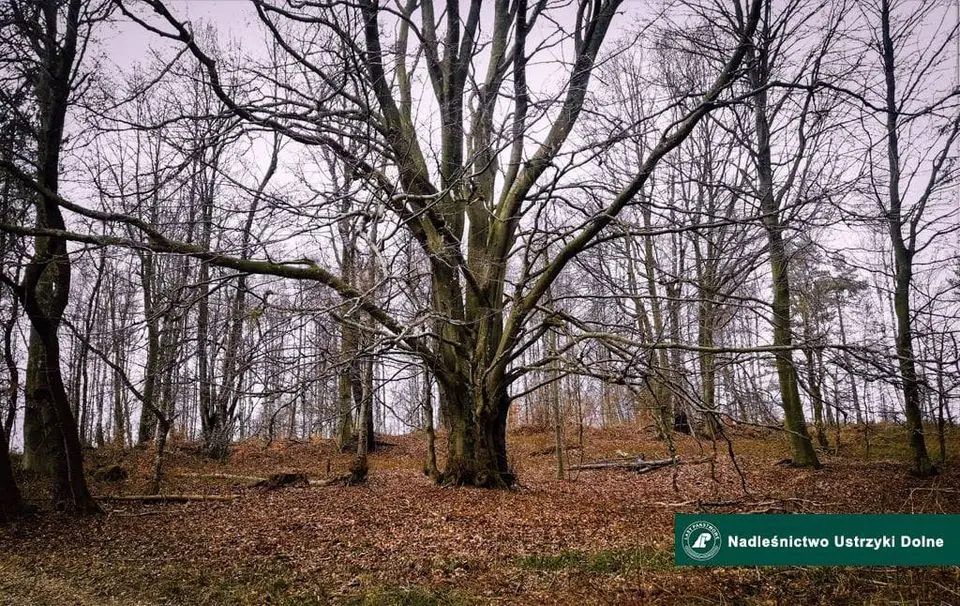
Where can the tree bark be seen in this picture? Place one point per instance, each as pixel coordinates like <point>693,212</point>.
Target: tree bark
<point>35,457</point>
<point>11,504</point>
<point>13,373</point>
<point>477,425</point>
<point>429,427</point>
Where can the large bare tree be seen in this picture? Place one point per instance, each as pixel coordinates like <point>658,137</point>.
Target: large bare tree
<point>464,154</point>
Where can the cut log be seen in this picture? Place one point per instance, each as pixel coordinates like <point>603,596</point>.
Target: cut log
<point>169,498</point>
<point>638,465</point>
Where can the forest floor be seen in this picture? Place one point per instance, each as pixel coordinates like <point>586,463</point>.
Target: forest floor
<point>600,537</point>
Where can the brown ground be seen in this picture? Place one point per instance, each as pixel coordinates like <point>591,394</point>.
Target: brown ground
<point>601,538</point>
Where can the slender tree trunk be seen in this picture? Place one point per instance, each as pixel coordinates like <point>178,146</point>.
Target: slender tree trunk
<point>163,429</point>
<point>664,392</point>
<point>11,504</point>
<point>147,427</point>
<point>794,422</point>
<point>708,368</point>
<point>816,395</point>
<point>556,406</point>
<point>813,378</point>
<point>344,394</point>
<point>431,467</point>
<point>369,397</point>
<point>13,372</point>
<point>831,411</point>
<point>854,392</point>
<point>360,468</point>
<point>942,404</point>
<point>903,260</point>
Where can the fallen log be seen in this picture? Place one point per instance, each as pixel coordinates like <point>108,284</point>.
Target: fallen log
<point>279,480</point>
<point>222,476</point>
<point>553,450</point>
<point>169,498</point>
<point>779,503</point>
<point>638,465</point>
<point>341,479</point>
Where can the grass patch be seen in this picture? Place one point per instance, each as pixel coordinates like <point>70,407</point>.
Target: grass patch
<point>606,561</point>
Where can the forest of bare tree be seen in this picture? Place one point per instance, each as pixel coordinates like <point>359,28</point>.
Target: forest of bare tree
<point>284,222</point>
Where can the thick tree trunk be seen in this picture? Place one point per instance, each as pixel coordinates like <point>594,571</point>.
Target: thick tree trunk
<point>477,434</point>
<point>61,440</point>
<point>35,458</point>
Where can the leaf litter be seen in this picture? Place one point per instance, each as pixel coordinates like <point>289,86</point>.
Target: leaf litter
<point>605,537</point>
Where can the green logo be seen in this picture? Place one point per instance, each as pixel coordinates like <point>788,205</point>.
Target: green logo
<point>701,541</point>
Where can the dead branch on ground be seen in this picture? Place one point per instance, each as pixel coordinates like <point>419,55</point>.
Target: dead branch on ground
<point>169,498</point>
